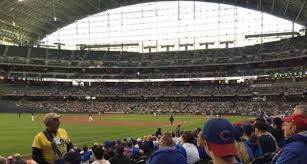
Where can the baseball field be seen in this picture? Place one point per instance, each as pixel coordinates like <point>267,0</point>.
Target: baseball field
<point>17,133</point>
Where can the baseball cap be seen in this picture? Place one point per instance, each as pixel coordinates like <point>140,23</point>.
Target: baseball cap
<point>139,139</point>
<point>50,116</point>
<point>298,119</point>
<point>107,144</point>
<point>16,155</point>
<point>73,157</point>
<point>248,129</point>
<point>220,136</point>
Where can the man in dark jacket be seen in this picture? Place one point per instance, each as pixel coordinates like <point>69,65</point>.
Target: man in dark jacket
<point>166,153</point>
<point>266,140</point>
<point>295,130</point>
<point>119,158</point>
<point>279,133</point>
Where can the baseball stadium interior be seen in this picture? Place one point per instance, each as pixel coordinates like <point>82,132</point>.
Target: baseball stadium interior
<point>210,59</point>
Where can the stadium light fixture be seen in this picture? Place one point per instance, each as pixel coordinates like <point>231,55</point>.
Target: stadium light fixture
<point>54,15</point>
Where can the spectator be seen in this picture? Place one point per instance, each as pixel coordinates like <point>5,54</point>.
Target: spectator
<point>98,153</point>
<point>158,132</point>
<point>30,161</point>
<point>155,142</point>
<point>219,141</point>
<point>18,160</point>
<point>266,140</point>
<point>72,157</point>
<point>2,160</point>
<point>10,159</point>
<point>200,147</point>
<point>178,130</point>
<point>300,109</point>
<point>251,140</point>
<point>139,143</point>
<point>295,131</point>
<point>86,155</point>
<point>130,151</point>
<point>119,158</point>
<point>279,134</point>
<point>108,150</point>
<point>50,145</point>
<point>166,153</point>
<point>190,149</point>
<point>244,152</point>
<point>148,145</point>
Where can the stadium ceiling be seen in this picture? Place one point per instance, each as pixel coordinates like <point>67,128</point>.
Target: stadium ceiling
<point>28,21</point>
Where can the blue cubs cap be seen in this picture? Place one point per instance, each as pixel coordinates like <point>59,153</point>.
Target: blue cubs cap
<point>220,136</point>
<point>107,144</point>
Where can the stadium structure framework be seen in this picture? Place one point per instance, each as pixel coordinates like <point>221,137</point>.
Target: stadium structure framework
<point>26,22</point>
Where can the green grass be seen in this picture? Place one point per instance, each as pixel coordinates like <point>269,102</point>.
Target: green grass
<point>17,133</point>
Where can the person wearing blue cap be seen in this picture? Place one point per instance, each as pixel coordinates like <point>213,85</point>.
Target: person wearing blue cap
<point>166,154</point>
<point>86,155</point>
<point>219,141</point>
<point>72,157</point>
<point>108,150</point>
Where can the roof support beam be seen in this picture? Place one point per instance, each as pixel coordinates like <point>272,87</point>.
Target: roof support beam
<point>65,11</point>
<point>260,5</point>
<point>299,13</point>
<point>23,21</point>
<point>273,5</point>
<point>18,27</point>
<point>93,6</point>
<point>81,6</point>
<point>13,33</point>
<point>47,15</point>
<point>286,7</point>
<point>73,12</point>
<point>27,13</point>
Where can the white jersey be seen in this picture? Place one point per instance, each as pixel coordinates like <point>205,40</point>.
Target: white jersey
<point>90,119</point>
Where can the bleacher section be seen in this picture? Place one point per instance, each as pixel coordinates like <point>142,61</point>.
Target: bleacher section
<point>292,48</point>
<point>158,89</point>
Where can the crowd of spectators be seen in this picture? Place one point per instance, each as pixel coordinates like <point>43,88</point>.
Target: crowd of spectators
<point>259,141</point>
<point>158,89</point>
<point>295,47</point>
<point>141,107</point>
<point>286,69</point>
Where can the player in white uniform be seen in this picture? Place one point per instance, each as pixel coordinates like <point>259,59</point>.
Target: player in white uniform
<point>90,118</point>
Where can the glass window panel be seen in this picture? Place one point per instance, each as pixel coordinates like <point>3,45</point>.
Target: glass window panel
<point>169,21</point>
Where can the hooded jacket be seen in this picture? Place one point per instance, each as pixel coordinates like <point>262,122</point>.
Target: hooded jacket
<point>295,151</point>
<point>168,156</point>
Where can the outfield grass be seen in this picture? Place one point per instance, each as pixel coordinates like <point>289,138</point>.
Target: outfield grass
<point>17,133</point>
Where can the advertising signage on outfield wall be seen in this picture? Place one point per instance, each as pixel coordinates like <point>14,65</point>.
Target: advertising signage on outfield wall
<point>76,81</point>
